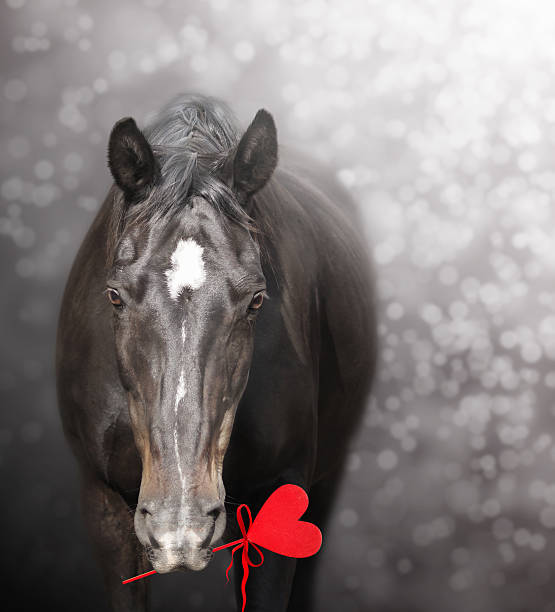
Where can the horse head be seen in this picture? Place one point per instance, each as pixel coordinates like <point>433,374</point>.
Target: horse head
<point>185,284</point>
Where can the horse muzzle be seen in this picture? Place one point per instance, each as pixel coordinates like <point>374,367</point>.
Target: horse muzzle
<point>165,560</point>
<point>173,542</point>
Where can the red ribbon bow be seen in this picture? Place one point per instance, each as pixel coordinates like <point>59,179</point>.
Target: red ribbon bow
<point>244,544</point>
<point>276,528</point>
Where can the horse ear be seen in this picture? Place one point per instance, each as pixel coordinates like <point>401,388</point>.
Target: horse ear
<point>256,155</point>
<point>130,158</point>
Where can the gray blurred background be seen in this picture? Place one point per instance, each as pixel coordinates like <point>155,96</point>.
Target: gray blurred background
<point>439,117</point>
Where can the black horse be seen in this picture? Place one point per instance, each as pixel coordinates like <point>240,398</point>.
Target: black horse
<point>207,267</point>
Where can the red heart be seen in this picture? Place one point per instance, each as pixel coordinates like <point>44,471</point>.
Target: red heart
<point>277,526</point>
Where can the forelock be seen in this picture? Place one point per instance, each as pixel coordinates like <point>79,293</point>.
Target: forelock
<point>192,138</point>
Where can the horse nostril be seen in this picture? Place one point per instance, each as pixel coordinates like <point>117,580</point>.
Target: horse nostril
<point>215,511</point>
<point>145,511</point>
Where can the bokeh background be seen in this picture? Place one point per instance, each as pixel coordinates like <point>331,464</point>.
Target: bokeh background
<point>439,117</point>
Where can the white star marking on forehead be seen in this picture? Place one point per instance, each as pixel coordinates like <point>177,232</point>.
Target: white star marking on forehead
<point>187,268</point>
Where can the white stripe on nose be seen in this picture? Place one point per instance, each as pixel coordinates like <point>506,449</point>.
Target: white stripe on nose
<point>180,394</point>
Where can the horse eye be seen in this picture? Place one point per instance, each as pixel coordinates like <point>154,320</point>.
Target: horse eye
<point>257,301</point>
<point>114,297</point>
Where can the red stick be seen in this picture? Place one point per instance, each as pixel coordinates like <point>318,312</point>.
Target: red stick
<point>139,576</point>
<point>228,545</point>
<point>154,571</point>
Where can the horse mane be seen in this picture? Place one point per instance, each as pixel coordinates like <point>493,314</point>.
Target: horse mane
<point>192,137</point>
